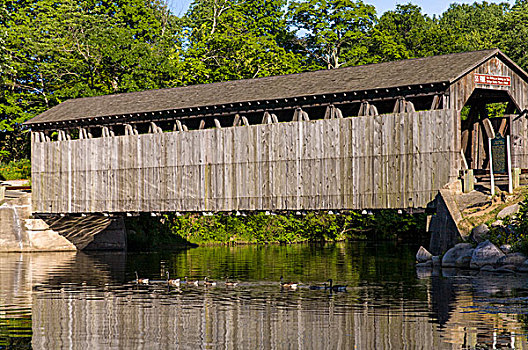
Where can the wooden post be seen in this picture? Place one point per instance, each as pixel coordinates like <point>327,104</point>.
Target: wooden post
<point>491,169</point>
<point>508,156</point>
<point>468,181</point>
<point>516,177</point>
<point>217,124</point>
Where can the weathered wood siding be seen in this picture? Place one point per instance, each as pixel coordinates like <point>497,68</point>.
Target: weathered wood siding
<point>461,90</point>
<point>387,161</point>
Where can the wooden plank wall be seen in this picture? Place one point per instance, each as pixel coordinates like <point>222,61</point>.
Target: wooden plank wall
<point>387,161</point>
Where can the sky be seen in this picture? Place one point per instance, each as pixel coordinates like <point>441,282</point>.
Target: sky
<point>430,7</point>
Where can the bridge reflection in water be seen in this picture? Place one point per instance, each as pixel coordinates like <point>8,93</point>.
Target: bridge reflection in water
<point>79,301</point>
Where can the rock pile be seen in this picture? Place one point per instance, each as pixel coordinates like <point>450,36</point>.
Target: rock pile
<point>485,256</point>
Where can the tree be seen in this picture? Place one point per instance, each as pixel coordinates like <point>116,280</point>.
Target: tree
<point>233,39</point>
<point>514,33</point>
<point>404,33</point>
<point>66,49</point>
<point>334,32</point>
<point>467,27</point>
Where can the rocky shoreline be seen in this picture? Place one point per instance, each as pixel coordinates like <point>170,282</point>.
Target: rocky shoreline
<point>485,256</point>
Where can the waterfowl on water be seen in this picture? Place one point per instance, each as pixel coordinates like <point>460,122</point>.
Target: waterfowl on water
<point>230,284</point>
<point>174,283</point>
<point>209,283</point>
<point>335,288</point>
<point>141,280</point>
<point>191,283</point>
<point>289,285</point>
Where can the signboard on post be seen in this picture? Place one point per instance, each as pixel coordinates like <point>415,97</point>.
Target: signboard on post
<point>492,79</point>
<point>499,158</point>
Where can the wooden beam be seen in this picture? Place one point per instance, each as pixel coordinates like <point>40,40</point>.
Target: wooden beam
<point>409,107</point>
<point>436,102</point>
<point>364,109</point>
<point>177,126</point>
<point>217,124</point>
<point>486,123</point>
<point>463,159</point>
<point>245,121</point>
<point>274,118</point>
<point>297,114</point>
<point>202,125</point>
<point>465,139</point>
<point>474,145</point>
<point>373,110</point>
<point>266,119</point>
<point>339,114</point>
<point>503,125</point>
<point>237,121</point>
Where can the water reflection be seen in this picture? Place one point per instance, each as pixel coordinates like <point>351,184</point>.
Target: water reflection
<point>80,301</point>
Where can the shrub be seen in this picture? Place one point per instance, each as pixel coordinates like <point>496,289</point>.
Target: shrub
<point>16,170</point>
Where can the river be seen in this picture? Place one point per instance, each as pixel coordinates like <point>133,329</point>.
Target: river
<point>82,300</point>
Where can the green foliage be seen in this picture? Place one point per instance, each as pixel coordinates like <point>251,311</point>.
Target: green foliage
<point>287,228</point>
<point>335,31</point>
<point>233,39</point>
<point>514,230</point>
<point>16,170</point>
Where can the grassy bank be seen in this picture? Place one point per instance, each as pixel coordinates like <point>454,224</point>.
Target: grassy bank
<point>148,232</point>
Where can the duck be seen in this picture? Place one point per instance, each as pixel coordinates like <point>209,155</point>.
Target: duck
<point>191,283</point>
<point>230,284</point>
<point>141,280</point>
<point>209,283</point>
<point>335,288</point>
<point>289,285</point>
<point>174,283</point>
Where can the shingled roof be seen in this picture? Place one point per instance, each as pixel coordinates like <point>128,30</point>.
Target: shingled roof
<point>435,69</point>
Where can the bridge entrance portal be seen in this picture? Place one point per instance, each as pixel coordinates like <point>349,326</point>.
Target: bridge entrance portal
<point>486,114</point>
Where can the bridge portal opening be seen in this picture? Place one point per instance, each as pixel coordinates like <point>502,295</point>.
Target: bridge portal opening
<point>486,114</point>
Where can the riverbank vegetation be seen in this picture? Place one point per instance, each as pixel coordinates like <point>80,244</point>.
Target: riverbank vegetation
<point>146,232</point>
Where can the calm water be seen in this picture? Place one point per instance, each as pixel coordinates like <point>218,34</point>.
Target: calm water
<point>84,301</point>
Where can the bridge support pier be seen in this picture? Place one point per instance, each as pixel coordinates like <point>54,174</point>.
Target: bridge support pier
<point>443,226</point>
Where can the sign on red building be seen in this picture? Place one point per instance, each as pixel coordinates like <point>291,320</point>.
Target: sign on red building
<point>492,79</point>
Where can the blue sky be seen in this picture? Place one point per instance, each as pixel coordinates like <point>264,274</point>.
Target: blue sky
<point>430,7</point>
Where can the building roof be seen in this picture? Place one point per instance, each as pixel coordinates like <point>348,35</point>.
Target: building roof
<point>434,69</point>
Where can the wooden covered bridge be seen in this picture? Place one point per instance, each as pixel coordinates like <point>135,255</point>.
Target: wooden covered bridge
<point>386,135</point>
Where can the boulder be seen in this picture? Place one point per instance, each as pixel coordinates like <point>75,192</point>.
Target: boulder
<point>479,233</point>
<point>486,253</point>
<point>423,255</point>
<point>459,250</point>
<point>508,211</point>
<point>516,259</point>
<point>463,262</point>
<point>498,223</point>
<point>506,248</point>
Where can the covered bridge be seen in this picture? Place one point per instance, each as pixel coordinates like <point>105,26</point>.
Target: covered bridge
<point>386,135</point>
